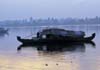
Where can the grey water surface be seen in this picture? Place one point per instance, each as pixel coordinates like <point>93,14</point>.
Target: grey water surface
<point>85,56</point>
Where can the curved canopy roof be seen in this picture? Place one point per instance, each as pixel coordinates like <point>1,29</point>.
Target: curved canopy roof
<point>61,32</point>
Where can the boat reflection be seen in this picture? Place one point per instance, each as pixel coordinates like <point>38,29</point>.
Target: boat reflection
<point>3,34</point>
<point>69,47</point>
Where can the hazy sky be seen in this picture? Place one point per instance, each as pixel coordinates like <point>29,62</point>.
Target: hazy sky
<point>14,9</point>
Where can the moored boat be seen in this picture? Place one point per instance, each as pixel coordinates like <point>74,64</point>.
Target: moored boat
<point>55,36</point>
<point>2,30</point>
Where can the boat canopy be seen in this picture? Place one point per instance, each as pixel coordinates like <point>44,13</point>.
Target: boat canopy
<point>61,32</point>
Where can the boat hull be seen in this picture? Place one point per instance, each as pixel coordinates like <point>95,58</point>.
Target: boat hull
<point>55,41</point>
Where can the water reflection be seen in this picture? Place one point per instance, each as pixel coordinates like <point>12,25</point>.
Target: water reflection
<point>81,56</point>
<point>55,56</point>
<point>69,47</point>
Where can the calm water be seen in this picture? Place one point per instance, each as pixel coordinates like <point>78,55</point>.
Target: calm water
<point>80,57</point>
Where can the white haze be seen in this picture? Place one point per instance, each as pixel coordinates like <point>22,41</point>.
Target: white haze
<point>17,9</point>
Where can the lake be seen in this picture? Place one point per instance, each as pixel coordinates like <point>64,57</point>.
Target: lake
<point>84,56</point>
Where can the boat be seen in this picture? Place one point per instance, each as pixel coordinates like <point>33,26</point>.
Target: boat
<point>3,30</point>
<point>56,36</point>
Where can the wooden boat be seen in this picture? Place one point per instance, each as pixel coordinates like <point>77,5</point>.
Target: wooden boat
<point>61,40</point>
<point>2,30</point>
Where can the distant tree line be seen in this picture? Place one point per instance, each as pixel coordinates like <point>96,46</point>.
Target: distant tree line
<point>50,21</point>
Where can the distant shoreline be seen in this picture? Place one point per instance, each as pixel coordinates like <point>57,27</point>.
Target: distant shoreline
<point>46,26</point>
